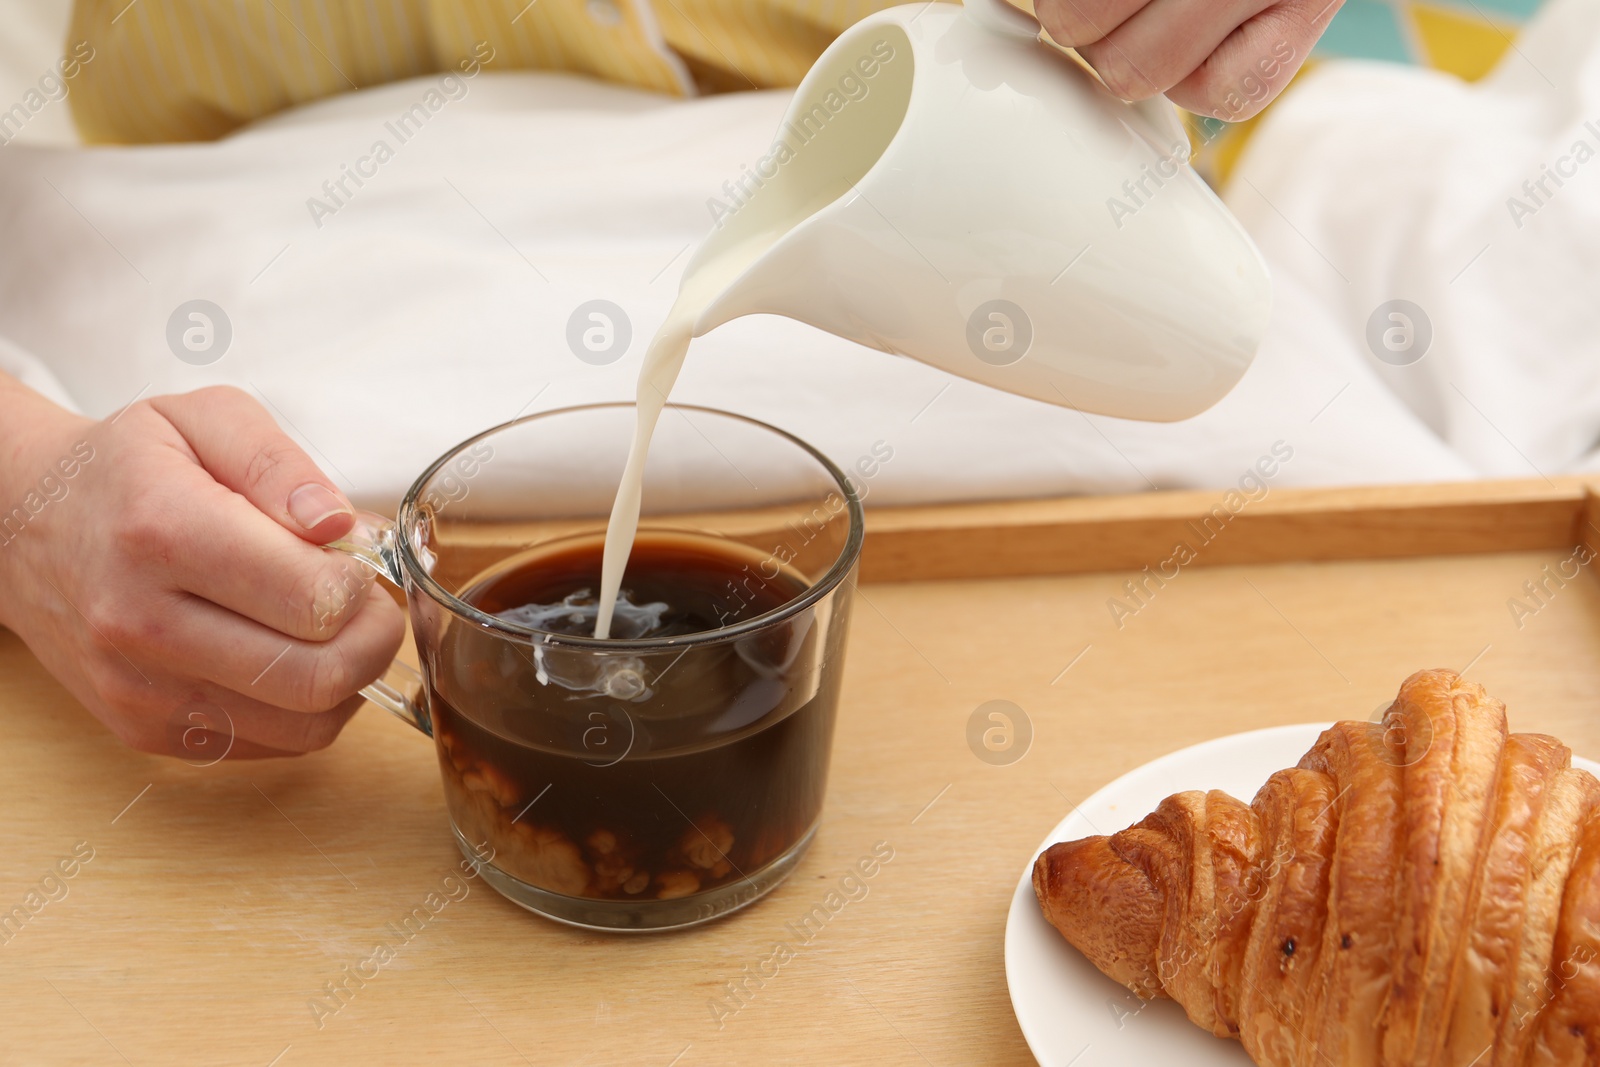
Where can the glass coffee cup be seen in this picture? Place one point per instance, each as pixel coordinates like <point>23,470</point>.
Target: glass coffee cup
<point>674,772</point>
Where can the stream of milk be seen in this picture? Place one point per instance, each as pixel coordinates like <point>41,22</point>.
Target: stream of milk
<point>662,362</point>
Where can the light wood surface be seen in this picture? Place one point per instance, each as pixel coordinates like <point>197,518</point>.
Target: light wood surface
<point>221,899</point>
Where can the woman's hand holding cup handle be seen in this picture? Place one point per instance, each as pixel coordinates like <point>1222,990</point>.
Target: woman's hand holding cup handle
<point>173,581</point>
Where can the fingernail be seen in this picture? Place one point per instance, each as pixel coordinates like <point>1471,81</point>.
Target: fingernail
<point>313,504</point>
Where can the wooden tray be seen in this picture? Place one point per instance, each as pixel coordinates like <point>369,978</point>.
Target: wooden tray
<point>220,901</point>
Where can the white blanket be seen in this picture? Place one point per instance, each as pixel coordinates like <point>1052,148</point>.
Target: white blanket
<point>434,300</point>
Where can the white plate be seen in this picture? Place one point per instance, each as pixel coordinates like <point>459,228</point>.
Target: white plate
<point>1070,1013</point>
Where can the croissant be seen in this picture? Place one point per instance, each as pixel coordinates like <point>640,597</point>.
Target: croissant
<point>1424,890</point>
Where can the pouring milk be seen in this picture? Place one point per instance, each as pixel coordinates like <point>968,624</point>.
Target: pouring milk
<point>947,186</point>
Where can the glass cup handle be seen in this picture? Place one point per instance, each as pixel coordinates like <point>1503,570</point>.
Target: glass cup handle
<point>402,700</point>
<point>371,541</point>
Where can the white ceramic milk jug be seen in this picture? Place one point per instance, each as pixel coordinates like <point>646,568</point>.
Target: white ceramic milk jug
<point>949,187</point>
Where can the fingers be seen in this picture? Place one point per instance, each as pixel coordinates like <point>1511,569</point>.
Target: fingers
<point>1252,66</point>
<point>243,657</point>
<point>211,724</point>
<point>1223,58</point>
<point>1164,42</point>
<point>217,546</point>
<point>215,724</point>
<point>209,540</point>
<point>240,445</point>
<point>1075,23</point>
<point>301,676</point>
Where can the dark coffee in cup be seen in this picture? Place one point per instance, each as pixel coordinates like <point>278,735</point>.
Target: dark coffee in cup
<point>648,776</point>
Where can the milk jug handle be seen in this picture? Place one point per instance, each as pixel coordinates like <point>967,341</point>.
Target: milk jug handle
<point>1001,17</point>
<point>1166,133</point>
<point>1162,127</point>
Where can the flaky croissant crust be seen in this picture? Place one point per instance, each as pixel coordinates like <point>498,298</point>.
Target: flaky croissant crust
<point>1424,890</point>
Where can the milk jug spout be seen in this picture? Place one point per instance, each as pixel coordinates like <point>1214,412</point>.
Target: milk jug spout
<point>947,186</point>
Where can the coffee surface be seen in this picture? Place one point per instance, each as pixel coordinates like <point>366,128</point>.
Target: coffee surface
<point>675,585</point>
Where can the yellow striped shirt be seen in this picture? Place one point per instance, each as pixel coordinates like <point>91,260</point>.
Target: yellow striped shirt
<point>187,70</point>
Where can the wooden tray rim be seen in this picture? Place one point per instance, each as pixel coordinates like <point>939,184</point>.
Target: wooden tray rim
<point>1068,535</point>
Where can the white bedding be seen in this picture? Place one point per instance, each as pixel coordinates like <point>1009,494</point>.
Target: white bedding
<point>434,302</point>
